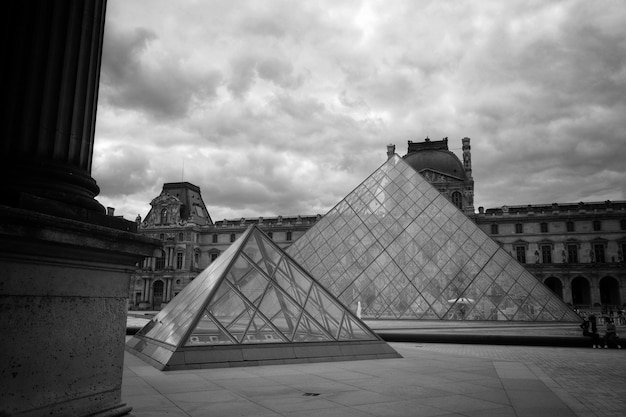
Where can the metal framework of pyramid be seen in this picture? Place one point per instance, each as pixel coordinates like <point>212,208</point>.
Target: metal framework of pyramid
<point>403,251</point>
<point>254,305</point>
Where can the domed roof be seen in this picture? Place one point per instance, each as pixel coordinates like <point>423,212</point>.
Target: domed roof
<point>439,160</point>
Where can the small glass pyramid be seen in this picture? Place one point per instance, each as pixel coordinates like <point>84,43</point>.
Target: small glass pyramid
<point>403,251</point>
<point>252,294</point>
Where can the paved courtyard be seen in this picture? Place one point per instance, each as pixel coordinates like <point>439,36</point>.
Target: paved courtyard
<point>431,380</point>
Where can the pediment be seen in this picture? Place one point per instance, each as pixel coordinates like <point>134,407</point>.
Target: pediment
<point>165,199</point>
<point>432,175</point>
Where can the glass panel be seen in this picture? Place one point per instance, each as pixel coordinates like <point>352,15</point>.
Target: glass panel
<point>207,332</point>
<point>252,286</point>
<point>309,331</point>
<point>273,256</point>
<point>260,332</point>
<point>254,252</point>
<point>227,308</point>
<point>352,330</point>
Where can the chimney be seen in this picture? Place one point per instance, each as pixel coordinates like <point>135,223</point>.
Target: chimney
<point>110,211</point>
<point>391,151</point>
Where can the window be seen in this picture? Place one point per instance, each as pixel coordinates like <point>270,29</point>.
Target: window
<point>494,229</point>
<point>270,235</point>
<point>232,237</point>
<point>179,260</point>
<point>196,259</point>
<point>572,253</point>
<point>520,252</point>
<point>570,226</point>
<point>457,199</point>
<point>598,250</point>
<point>519,228</point>
<point>180,237</point>
<point>622,224</point>
<point>621,252</point>
<point>214,255</point>
<point>215,238</point>
<point>164,216</point>
<point>597,225</point>
<point>288,235</point>
<point>546,254</point>
<point>160,263</point>
<point>162,236</point>
<point>544,227</point>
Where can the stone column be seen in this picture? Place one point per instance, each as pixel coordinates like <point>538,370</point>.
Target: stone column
<point>65,265</point>
<point>50,97</point>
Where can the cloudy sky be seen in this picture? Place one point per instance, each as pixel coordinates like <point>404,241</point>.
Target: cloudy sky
<point>283,107</point>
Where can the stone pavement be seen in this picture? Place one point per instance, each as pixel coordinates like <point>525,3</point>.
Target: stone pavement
<point>591,381</point>
<point>431,380</point>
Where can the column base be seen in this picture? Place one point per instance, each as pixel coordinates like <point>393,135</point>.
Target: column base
<point>64,287</point>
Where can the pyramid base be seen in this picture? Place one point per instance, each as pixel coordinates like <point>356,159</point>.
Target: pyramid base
<point>168,358</point>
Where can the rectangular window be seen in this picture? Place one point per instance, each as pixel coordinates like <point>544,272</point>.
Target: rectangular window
<point>288,235</point>
<point>179,260</point>
<point>270,235</point>
<point>572,254</point>
<point>544,227</point>
<point>520,252</point>
<point>232,237</point>
<point>546,254</point>
<point>160,263</point>
<point>570,226</point>
<point>621,252</point>
<point>622,224</point>
<point>598,250</point>
<point>519,228</point>
<point>597,225</point>
<point>215,238</point>
<point>494,229</point>
<point>214,256</point>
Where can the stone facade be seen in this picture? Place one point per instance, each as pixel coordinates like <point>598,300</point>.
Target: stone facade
<point>190,242</point>
<point>576,249</point>
<point>444,170</point>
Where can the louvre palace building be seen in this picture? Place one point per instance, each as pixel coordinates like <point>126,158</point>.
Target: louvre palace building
<point>575,249</point>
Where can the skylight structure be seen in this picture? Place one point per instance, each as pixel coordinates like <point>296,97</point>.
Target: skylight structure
<point>401,250</point>
<point>254,305</point>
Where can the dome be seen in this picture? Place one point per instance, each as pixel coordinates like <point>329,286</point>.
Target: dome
<point>442,161</point>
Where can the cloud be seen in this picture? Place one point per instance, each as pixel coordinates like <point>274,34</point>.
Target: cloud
<point>137,75</point>
<point>284,107</point>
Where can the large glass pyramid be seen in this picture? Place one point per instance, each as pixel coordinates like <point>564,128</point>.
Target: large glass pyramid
<point>251,298</point>
<point>401,250</point>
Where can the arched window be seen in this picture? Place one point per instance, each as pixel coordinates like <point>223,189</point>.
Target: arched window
<point>555,285</point>
<point>160,261</point>
<point>457,199</point>
<point>581,293</point>
<point>157,294</point>
<point>164,216</point>
<point>609,292</point>
<point>179,260</point>
<point>196,259</point>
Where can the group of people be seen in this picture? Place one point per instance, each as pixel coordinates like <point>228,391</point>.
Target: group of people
<point>590,329</point>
